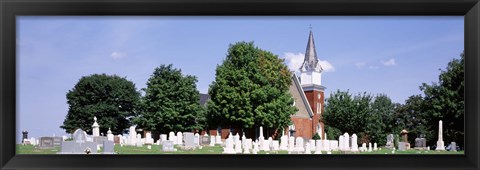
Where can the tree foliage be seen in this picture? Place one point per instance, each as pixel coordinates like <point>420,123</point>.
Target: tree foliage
<point>445,101</point>
<point>171,102</point>
<point>112,99</point>
<point>363,114</point>
<point>250,90</point>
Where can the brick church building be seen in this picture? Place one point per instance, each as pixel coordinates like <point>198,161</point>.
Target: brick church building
<point>308,94</point>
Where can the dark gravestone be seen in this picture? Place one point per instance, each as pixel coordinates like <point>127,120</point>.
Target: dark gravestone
<point>57,141</point>
<point>46,143</point>
<point>25,136</point>
<point>108,147</point>
<point>204,140</point>
<point>420,143</point>
<point>116,139</point>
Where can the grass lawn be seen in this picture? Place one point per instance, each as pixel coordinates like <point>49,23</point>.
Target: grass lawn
<point>29,149</point>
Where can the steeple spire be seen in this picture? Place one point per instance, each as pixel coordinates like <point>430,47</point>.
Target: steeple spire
<point>311,61</point>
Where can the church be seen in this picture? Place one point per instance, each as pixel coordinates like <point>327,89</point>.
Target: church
<point>308,94</point>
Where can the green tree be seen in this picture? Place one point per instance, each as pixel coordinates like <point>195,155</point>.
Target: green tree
<point>413,117</point>
<point>380,118</point>
<point>367,116</point>
<point>112,99</point>
<point>171,102</point>
<point>347,113</point>
<point>445,101</point>
<point>250,90</point>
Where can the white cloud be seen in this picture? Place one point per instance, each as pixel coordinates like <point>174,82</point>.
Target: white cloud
<point>390,62</point>
<point>117,55</point>
<point>294,62</point>
<point>327,67</point>
<point>360,64</point>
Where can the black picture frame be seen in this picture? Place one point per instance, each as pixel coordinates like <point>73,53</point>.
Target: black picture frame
<point>9,9</point>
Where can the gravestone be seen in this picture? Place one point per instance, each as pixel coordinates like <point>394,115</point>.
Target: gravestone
<point>389,144</point>
<point>108,147</point>
<point>116,139</point>
<point>196,139</point>
<point>238,145</point>
<point>370,147</point>
<point>148,138</point>
<point>229,146</point>
<point>440,143</point>
<point>307,148</point>
<point>167,146</point>
<point>99,139</point>
<point>312,144</point>
<point>46,143</point>
<point>346,142</point>
<point>78,145</point>
<point>325,145</point>
<point>212,141</point>
<point>341,141</point>
<point>132,136</point>
<point>354,143</point>
<point>375,146</point>
<point>299,145</point>
<point>420,143</point>
<point>453,147</point>
<point>402,146</point>
<point>110,136</point>
<point>172,137</point>
<point>205,140</point>
<point>218,140</point>
<point>163,137</point>
<point>179,138</point>
<point>275,145</point>
<point>189,139</point>
<point>284,142</point>
<point>57,141</point>
<point>318,148</point>
<point>291,143</point>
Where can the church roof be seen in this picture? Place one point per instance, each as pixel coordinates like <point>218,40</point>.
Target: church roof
<point>299,89</point>
<point>311,61</point>
<point>204,98</point>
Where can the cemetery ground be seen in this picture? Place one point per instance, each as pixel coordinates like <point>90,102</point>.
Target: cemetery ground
<point>156,149</point>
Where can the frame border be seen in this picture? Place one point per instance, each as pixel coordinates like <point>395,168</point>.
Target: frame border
<point>470,9</point>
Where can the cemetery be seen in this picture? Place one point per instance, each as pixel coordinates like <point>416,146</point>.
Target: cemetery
<point>302,123</point>
<point>193,143</point>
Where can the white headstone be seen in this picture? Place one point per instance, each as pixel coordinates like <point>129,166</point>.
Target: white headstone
<point>275,145</point>
<point>307,148</point>
<point>212,141</point>
<point>325,145</point>
<point>299,145</point>
<point>370,147</point>
<point>163,137</point>
<point>364,147</point>
<point>284,142</point>
<point>238,146</point>
<point>229,146</point>
<point>354,143</point>
<point>346,142</point>
<point>333,145</point>
<point>196,139</point>
<point>179,138</point>
<point>312,144</point>
<point>148,138</point>
<point>132,136</point>
<point>95,127</point>
<point>341,141</point>
<point>375,146</point>
<point>261,138</point>
<point>291,143</point>
<point>247,146</point>
<point>218,139</point>
<point>318,148</point>
<point>440,143</point>
<point>172,137</point>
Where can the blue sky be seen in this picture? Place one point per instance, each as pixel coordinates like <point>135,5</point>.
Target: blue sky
<point>391,55</point>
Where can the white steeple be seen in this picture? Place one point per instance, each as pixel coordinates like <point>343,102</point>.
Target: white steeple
<point>311,70</point>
